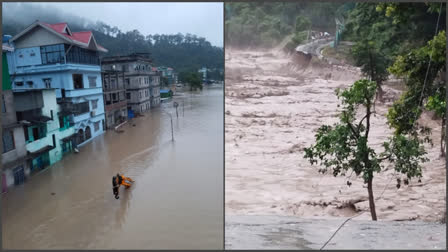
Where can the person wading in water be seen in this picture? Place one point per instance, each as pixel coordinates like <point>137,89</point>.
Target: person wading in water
<point>120,180</point>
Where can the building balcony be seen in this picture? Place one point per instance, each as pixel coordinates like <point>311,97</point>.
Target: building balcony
<point>83,92</point>
<point>37,145</point>
<point>116,105</point>
<point>18,70</point>
<point>81,117</point>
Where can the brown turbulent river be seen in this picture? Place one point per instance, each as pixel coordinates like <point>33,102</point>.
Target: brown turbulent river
<point>176,201</point>
<point>273,108</point>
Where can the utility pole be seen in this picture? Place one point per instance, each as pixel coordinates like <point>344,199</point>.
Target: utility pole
<point>172,132</point>
<point>176,105</point>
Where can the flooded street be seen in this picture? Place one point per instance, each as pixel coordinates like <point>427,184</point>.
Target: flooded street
<point>176,201</point>
<point>273,109</point>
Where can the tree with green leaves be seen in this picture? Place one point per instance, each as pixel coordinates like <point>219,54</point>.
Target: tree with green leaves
<point>372,61</point>
<point>426,87</point>
<point>344,147</point>
<point>194,80</point>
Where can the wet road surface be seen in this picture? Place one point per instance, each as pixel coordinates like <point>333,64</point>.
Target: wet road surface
<point>176,201</point>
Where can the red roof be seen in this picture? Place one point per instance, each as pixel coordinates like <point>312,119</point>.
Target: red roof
<point>83,37</point>
<point>57,27</point>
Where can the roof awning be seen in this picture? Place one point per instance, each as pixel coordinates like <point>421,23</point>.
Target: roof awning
<point>39,119</point>
<point>40,151</point>
<point>68,138</point>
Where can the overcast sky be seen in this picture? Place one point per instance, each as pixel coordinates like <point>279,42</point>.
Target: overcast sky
<point>202,19</point>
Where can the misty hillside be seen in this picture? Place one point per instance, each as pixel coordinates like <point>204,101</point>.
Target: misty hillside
<point>183,52</point>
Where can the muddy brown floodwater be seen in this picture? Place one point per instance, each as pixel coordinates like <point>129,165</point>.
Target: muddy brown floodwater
<point>273,108</point>
<point>176,201</point>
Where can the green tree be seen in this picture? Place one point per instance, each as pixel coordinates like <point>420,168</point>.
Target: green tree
<point>372,61</point>
<point>302,23</point>
<point>425,89</point>
<point>194,80</point>
<point>164,81</point>
<point>344,146</point>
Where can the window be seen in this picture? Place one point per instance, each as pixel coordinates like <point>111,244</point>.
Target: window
<point>19,83</point>
<point>107,99</point>
<point>125,68</point>
<point>29,83</point>
<point>61,122</point>
<point>47,82</point>
<point>128,96</point>
<point>112,84</point>
<point>52,54</point>
<point>127,82</point>
<point>77,81</point>
<point>3,104</point>
<point>51,114</point>
<point>81,108</point>
<point>82,56</point>
<point>114,98</point>
<point>92,81</point>
<point>96,126</point>
<point>8,141</point>
<point>94,104</point>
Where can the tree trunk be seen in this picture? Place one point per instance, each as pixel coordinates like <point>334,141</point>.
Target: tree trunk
<point>371,200</point>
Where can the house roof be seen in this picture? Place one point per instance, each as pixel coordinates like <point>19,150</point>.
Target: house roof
<point>83,39</point>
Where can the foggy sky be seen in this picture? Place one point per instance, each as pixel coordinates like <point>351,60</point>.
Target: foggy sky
<point>202,19</point>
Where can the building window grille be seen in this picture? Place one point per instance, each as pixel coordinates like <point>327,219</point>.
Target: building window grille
<point>92,81</point>
<point>81,108</point>
<point>77,81</point>
<point>82,56</point>
<point>47,82</point>
<point>8,141</point>
<point>96,126</point>
<point>52,54</point>
<point>94,104</point>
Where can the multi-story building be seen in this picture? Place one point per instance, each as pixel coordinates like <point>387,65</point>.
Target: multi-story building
<point>49,135</point>
<point>48,56</point>
<point>138,73</point>
<point>154,89</point>
<point>168,74</point>
<point>203,71</point>
<point>114,97</point>
<point>14,154</point>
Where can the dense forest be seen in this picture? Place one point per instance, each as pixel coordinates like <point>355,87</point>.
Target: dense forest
<point>183,52</point>
<point>265,24</point>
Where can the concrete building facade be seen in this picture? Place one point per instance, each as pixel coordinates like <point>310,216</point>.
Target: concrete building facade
<point>154,90</point>
<point>15,168</point>
<point>114,97</point>
<point>138,76</point>
<point>51,56</point>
